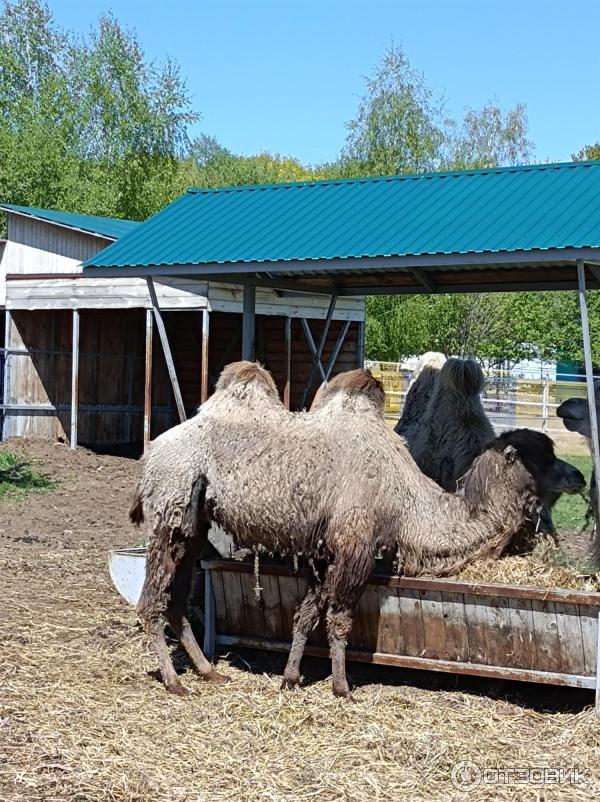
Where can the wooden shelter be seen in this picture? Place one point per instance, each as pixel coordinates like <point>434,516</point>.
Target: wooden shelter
<point>533,227</point>
<point>78,359</point>
<point>522,228</point>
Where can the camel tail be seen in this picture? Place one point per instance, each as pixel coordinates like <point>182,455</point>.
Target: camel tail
<point>462,376</point>
<point>136,513</point>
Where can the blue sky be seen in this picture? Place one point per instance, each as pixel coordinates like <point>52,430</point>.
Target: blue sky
<point>285,75</point>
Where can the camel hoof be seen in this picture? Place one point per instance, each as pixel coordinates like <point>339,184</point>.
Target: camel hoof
<point>177,689</point>
<point>214,676</point>
<point>343,692</point>
<point>289,683</point>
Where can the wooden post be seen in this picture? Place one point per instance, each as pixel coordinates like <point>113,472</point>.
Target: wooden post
<point>204,356</point>
<point>545,399</point>
<point>162,333</point>
<point>589,372</point>
<point>287,390</point>
<point>5,432</point>
<point>598,670</point>
<point>209,615</point>
<point>148,380</point>
<point>360,350</point>
<point>249,322</point>
<point>75,379</point>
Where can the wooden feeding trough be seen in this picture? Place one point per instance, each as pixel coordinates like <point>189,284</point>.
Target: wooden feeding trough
<point>489,630</point>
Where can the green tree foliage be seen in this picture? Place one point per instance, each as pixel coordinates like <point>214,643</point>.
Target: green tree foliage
<point>87,123</point>
<point>398,124</point>
<point>588,153</point>
<point>401,127</point>
<point>214,166</point>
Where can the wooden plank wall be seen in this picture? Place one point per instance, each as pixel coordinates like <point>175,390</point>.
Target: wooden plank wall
<point>46,248</point>
<point>225,335</point>
<point>112,367</point>
<point>490,631</point>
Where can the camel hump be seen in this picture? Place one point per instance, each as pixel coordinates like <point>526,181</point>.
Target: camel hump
<point>239,374</point>
<point>430,359</point>
<point>462,376</point>
<point>355,383</point>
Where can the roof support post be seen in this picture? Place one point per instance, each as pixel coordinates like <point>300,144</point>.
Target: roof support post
<point>75,379</point>
<point>204,356</point>
<point>589,378</point>
<point>148,379</point>
<point>311,345</point>
<point>4,423</point>
<point>162,332</point>
<point>360,346</point>
<point>336,350</point>
<point>249,322</point>
<point>287,390</point>
<point>316,365</point>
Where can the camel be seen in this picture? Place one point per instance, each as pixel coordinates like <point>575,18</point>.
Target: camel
<point>335,484</point>
<point>453,428</point>
<point>419,392</point>
<point>575,414</point>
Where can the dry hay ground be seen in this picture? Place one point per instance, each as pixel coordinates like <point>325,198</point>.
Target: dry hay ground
<point>83,718</point>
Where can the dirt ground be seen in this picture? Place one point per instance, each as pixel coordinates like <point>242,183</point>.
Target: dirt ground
<point>83,717</point>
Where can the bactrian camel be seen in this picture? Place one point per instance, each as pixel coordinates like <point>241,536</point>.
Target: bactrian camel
<point>419,392</point>
<point>454,429</point>
<point>575,414</point>
<point>335,484</point>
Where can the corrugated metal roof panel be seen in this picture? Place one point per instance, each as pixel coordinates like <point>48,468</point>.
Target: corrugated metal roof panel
<point>107,227</point>
<point>535,207</point>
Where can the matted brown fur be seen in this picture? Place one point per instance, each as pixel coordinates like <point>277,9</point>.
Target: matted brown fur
<point>335,484</point>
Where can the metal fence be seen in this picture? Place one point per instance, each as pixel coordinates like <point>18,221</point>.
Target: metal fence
<point>509,401</point>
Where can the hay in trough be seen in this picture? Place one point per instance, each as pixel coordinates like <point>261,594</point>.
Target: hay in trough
<point>545,567</point>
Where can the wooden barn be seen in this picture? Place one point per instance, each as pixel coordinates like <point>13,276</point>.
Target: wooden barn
<point>79,357</point>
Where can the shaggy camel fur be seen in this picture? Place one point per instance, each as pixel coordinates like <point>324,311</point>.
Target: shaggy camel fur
<point>453,428</point>
<point>419,392</point>
<point>552,477</point>
<point>335,484</point>
<point>575,415</point>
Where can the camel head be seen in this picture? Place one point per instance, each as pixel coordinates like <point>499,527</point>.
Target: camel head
<point>462,376</point>
<point>499,470</point>
<point>354,386</point>
<point>552,476</point>
<point>243,379</point>
<point>575,412</point>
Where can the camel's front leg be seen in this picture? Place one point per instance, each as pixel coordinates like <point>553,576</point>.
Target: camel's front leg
<point>305,620</point>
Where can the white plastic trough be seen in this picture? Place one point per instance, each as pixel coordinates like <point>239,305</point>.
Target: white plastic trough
<point>127,568</point>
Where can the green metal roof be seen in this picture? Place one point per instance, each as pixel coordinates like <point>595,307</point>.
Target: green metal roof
<point>105,227</point>
<point>476,211</point>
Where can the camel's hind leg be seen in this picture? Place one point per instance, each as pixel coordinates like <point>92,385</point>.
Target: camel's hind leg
<point>345,582</point>
<point>339,626</point>
<point>176,611</point>
<point>305,620</point>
